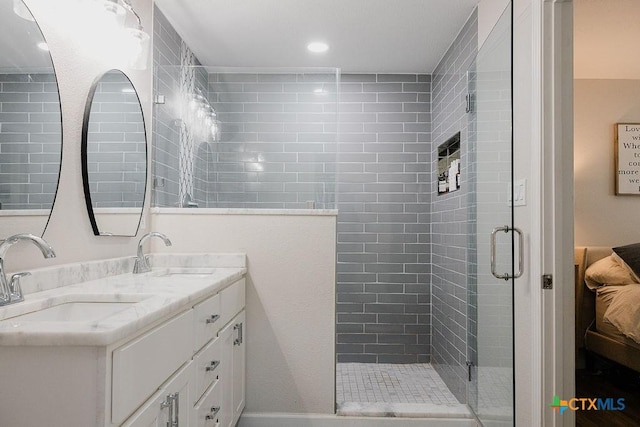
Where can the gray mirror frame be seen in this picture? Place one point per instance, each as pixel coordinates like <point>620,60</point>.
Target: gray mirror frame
<point>84,157</point>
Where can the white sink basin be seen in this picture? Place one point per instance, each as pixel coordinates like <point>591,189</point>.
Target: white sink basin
<point>80,309</point>
<point>184,272</point>
<point>75,312</point>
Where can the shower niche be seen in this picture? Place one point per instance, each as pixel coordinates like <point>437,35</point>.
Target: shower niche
<point>449,165</point>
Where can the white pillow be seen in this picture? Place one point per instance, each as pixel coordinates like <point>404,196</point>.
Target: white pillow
<point>624,312</point>
<point>607,271</point>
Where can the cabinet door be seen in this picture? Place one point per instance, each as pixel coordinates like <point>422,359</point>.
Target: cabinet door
<point>151,414</point>
<point>239,364</point>
<point>172,402</point>
<point>143,364</point>
<point>226,338</point>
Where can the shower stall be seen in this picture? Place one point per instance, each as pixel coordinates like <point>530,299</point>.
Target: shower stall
<point>423,326</point>
<point>454,306</point>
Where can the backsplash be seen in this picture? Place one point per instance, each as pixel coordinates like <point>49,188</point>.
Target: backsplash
<point>43,279</point>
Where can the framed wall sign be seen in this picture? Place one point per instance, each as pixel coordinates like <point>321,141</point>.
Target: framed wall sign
<point>627,155</point>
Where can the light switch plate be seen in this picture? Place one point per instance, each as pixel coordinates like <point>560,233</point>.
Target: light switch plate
<point>520,192</point>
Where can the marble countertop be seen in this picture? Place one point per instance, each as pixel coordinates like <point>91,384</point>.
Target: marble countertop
<point>152,297</point>
<point>244,211</point>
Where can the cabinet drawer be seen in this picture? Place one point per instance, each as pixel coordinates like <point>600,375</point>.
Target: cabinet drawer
<point>232,300</point>
<point>155,411</point>
<point>208,411</point>
<point>207,321</point>
<point>207,367</point>
<point>142,365</point>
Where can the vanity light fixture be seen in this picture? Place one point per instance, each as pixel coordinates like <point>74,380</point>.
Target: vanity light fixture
<point>317,47</point>
<point>115,11</point>
<point>135,39</point>
<point>201,117</point>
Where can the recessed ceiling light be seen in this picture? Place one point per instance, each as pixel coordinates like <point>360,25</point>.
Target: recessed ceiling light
<point>43,46</point>
<point>318,47</point>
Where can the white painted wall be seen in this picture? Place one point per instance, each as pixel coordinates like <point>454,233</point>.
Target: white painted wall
<point>523,140</point>
<point>526,16</point>
<point>606,39</point>
<point>78,63</point>
<point>290,299</point>
<point>601,217</point>
<point>542,126</point>
<point>526,166</point>
<point>489,12</point>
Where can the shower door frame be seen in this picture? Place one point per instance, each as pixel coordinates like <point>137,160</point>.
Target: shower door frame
<point>491,188</point>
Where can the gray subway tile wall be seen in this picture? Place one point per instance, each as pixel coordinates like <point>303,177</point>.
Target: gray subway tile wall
<point>202,151</point>
<point>116,145</point>
<point>450,216</point>
<point>166,131</point>
<point>402,250</point>
<point>384,164</point>
<point>277,144</point>
<point>167,47</point>
<point>30,140</point>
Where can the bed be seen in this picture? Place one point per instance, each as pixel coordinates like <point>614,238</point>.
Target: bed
<point>596,303</point>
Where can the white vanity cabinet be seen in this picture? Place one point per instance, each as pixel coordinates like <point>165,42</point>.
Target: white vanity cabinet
<point>195,395</point>
<point>184,370</point>
<point>232,374</point>
<point>220,366</point>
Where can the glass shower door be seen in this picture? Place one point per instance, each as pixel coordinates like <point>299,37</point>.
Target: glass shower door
<point>492,247</point>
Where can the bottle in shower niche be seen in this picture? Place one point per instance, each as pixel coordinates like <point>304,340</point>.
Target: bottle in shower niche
<point>452,176</point>
<point>442,183</point>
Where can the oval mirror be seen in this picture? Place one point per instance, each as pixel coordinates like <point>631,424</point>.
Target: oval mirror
<point>114,156</point>
<point>30,123</point>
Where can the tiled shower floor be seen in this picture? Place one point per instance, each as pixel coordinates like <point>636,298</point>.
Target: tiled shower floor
<point>411,390</point>
<point>496,398</point>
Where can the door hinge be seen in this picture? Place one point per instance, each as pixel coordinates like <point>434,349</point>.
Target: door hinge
<point>547,281</point>
<point>469,366</point>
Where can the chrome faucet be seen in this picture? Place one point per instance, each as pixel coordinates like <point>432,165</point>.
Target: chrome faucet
<point>10,289</point>
<point>142,262</point>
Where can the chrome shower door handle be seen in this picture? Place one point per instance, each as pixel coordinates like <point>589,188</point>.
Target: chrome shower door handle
<point>520,252</point>
<point>507,276</point>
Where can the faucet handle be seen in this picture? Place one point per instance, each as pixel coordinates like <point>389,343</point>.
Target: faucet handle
<point>14,286</point>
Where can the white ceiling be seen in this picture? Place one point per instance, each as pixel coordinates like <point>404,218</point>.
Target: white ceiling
<point>384,36</point>
<point>607,39</point>
<point>18,50</point>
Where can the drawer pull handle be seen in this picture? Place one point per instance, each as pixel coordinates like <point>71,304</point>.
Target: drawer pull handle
<point>213,318</point>
<point>173,403</point>
<point>238,327</point>
<point>213,413</point>
<point>214,364</point>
